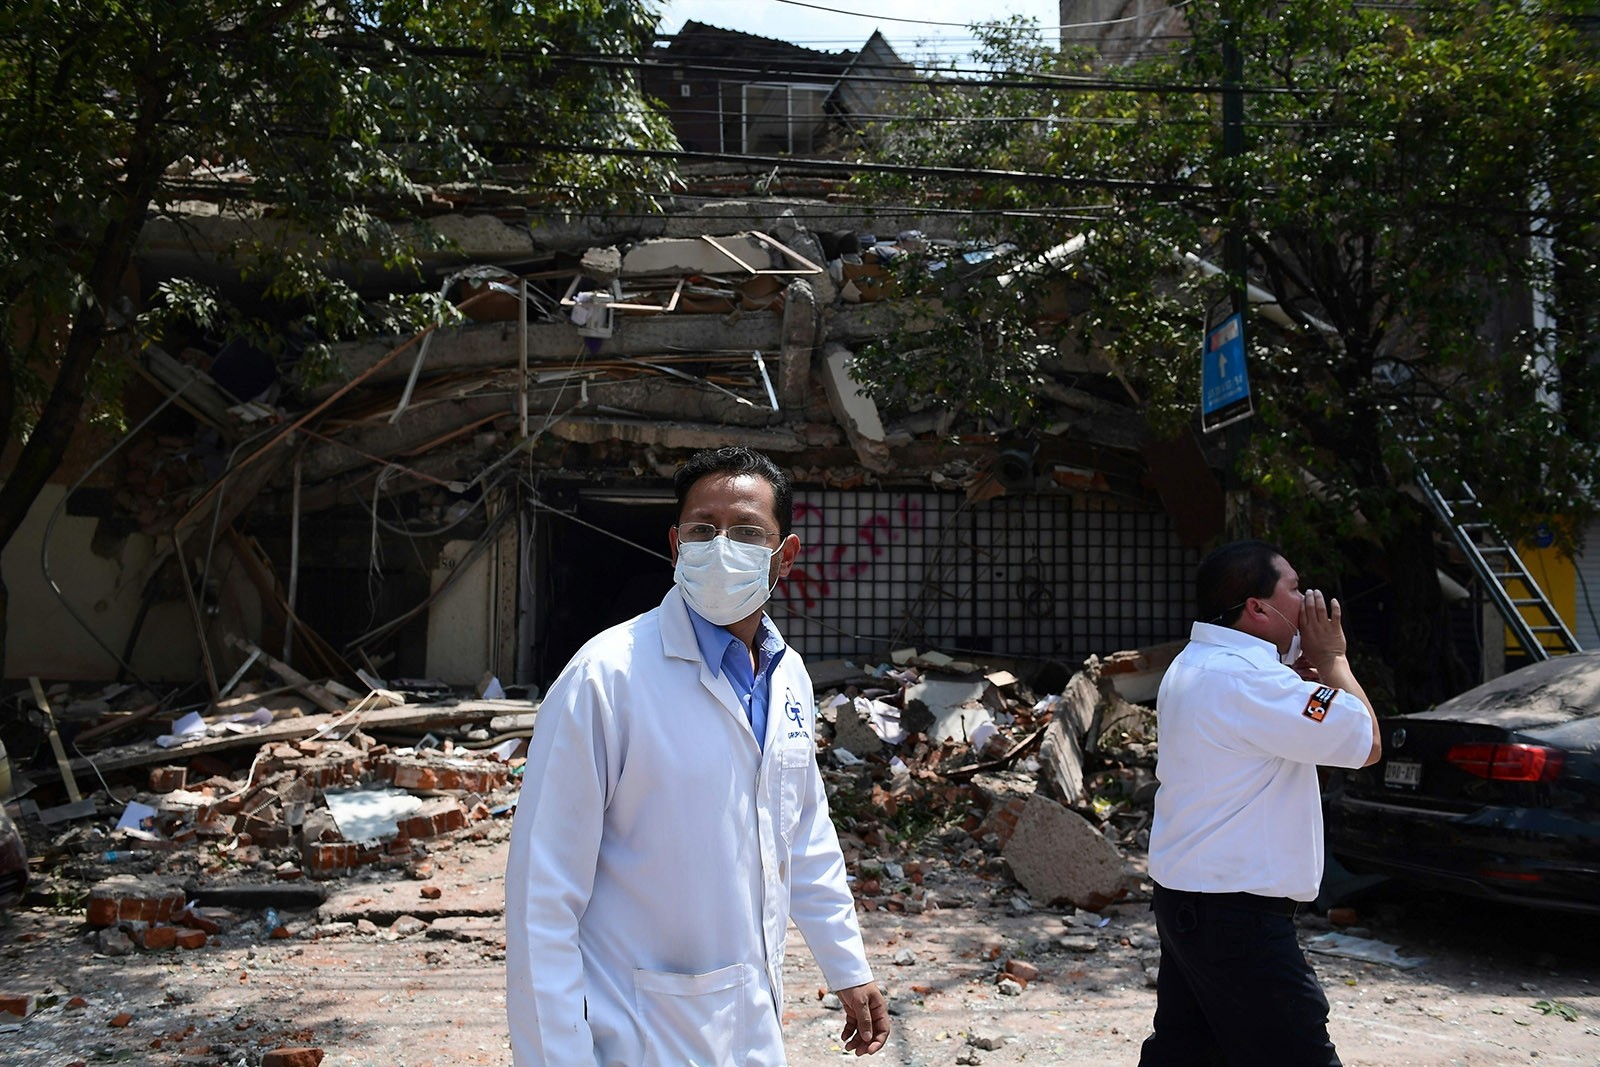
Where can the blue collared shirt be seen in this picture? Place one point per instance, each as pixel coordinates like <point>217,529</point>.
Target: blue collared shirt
<point>726,654</point>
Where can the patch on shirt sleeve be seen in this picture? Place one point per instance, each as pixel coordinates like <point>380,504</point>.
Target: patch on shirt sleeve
<point>1317,707</point>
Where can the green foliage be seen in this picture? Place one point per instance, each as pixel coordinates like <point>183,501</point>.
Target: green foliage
<point>1555,1007</point>
<point>1403,173</point>
<point>324,130</point>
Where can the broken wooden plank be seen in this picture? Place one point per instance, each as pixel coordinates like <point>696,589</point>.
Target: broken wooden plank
<point>314,692</point>
<point>293,729</point>
<point>55,741</point>
<point>121,722</point>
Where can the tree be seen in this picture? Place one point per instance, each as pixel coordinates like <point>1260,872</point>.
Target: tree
<point>1406,175</point>
<point>331,118</point>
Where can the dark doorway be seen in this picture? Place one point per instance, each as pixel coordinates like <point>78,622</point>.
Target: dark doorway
<point>599,566</point>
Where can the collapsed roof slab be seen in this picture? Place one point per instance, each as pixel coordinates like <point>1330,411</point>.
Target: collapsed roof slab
<point>584,430</point>
<point>744,253</point>
<point>680,400</point>
<point>495,345</point>
<point>874,321</point>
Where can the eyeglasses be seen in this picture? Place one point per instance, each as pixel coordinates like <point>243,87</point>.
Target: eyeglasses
<point>697,532</point>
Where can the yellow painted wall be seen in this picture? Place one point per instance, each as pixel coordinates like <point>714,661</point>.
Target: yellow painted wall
<point>1557,576</point>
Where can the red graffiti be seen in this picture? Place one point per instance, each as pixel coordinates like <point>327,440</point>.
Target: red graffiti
<point>798,582</point>
<point>847,557</point>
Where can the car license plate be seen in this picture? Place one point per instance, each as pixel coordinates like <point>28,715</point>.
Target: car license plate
<point>1402,774</point>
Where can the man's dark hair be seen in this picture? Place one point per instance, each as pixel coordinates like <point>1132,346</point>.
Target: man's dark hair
<point>737,459</point>
<point>1232,574</point>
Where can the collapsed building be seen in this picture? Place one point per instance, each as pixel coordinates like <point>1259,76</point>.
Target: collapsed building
<point>291,585</point>
<point>479,498</point>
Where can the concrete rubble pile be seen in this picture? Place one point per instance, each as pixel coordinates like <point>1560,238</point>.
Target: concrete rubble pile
<point>953,785</point>
<point>202,828</point>
<point>934,764</point>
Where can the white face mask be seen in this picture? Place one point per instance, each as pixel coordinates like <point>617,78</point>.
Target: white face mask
<point>1290,657</point>
<point>724,580</point>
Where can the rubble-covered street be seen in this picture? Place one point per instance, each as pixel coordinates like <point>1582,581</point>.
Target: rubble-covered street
<point>323,882</point>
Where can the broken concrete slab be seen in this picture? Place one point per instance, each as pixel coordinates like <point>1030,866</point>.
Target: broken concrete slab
<point>1122,722</point>
<point>1137,673</point>
<point>1061,756</point>
<point>802,330</point>
<point>285,896</point>
<point>955,707</point>
<point>1079,703</point>
<point>1056,855</point>
<point>834,673</point>
<point>855,410</point>
<point>506,724</point>
<point>852,732</point>
<point>468,928</point>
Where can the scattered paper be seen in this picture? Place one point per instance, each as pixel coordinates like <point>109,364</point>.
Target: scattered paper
<point>187,728</point>
<point>505,750</point>
<point>138,820</point>
<point>243,723</point>
<point>368,815</point>
<point>982,734</point>
<point>1362,948</point>
<point>882,719</point>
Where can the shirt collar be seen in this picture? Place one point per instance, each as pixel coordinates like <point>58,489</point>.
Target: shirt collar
<point>1208,633</point>
<point>714,640</point>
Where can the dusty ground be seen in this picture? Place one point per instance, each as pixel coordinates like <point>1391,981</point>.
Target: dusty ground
<point>353,984</point>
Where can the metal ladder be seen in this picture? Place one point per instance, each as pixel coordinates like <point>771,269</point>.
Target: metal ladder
<point>1496,563</point>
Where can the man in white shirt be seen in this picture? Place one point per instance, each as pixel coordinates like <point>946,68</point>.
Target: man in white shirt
<point>672,819</point>
<point>1236,845</point>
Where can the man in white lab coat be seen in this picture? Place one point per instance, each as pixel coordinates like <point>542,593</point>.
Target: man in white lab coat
<point>672,818</point>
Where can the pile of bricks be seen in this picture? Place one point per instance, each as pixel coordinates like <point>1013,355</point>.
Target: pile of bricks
<point>430,770</point>
<point>283,805</point>
<point>154,915</point>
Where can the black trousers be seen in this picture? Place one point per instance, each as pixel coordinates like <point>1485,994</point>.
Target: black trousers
<point>1234,988</point>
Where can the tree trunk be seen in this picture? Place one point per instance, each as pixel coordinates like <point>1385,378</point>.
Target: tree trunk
<point>102,277</point>
<point>1427,667</point>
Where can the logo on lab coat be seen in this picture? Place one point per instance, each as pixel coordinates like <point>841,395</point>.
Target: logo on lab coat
<point>796,715</point>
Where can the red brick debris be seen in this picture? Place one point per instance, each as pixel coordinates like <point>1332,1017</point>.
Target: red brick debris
<point>18,1004</point>
<point>129,898</point>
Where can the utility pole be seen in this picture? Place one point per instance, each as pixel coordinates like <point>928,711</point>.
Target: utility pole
<point>1236,499</point>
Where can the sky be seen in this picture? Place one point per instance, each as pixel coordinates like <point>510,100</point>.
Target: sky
<point>846,24</point>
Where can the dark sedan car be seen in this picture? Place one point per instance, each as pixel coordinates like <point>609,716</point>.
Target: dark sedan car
<point>13,853</point>
<point>13,861</point>
<point>1494,793</point>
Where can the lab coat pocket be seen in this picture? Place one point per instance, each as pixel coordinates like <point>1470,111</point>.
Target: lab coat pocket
<point>793,770</point>
<point>691,1020</point>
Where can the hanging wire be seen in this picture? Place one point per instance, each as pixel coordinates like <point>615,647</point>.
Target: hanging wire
<point>49,527</point>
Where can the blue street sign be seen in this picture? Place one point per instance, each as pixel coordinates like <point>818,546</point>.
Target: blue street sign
<point>1224,384</point>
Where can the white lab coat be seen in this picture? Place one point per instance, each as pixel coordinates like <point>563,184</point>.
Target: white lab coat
<point>657,856</point>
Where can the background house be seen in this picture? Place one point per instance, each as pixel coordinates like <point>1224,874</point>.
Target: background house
<point>732,92</point>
